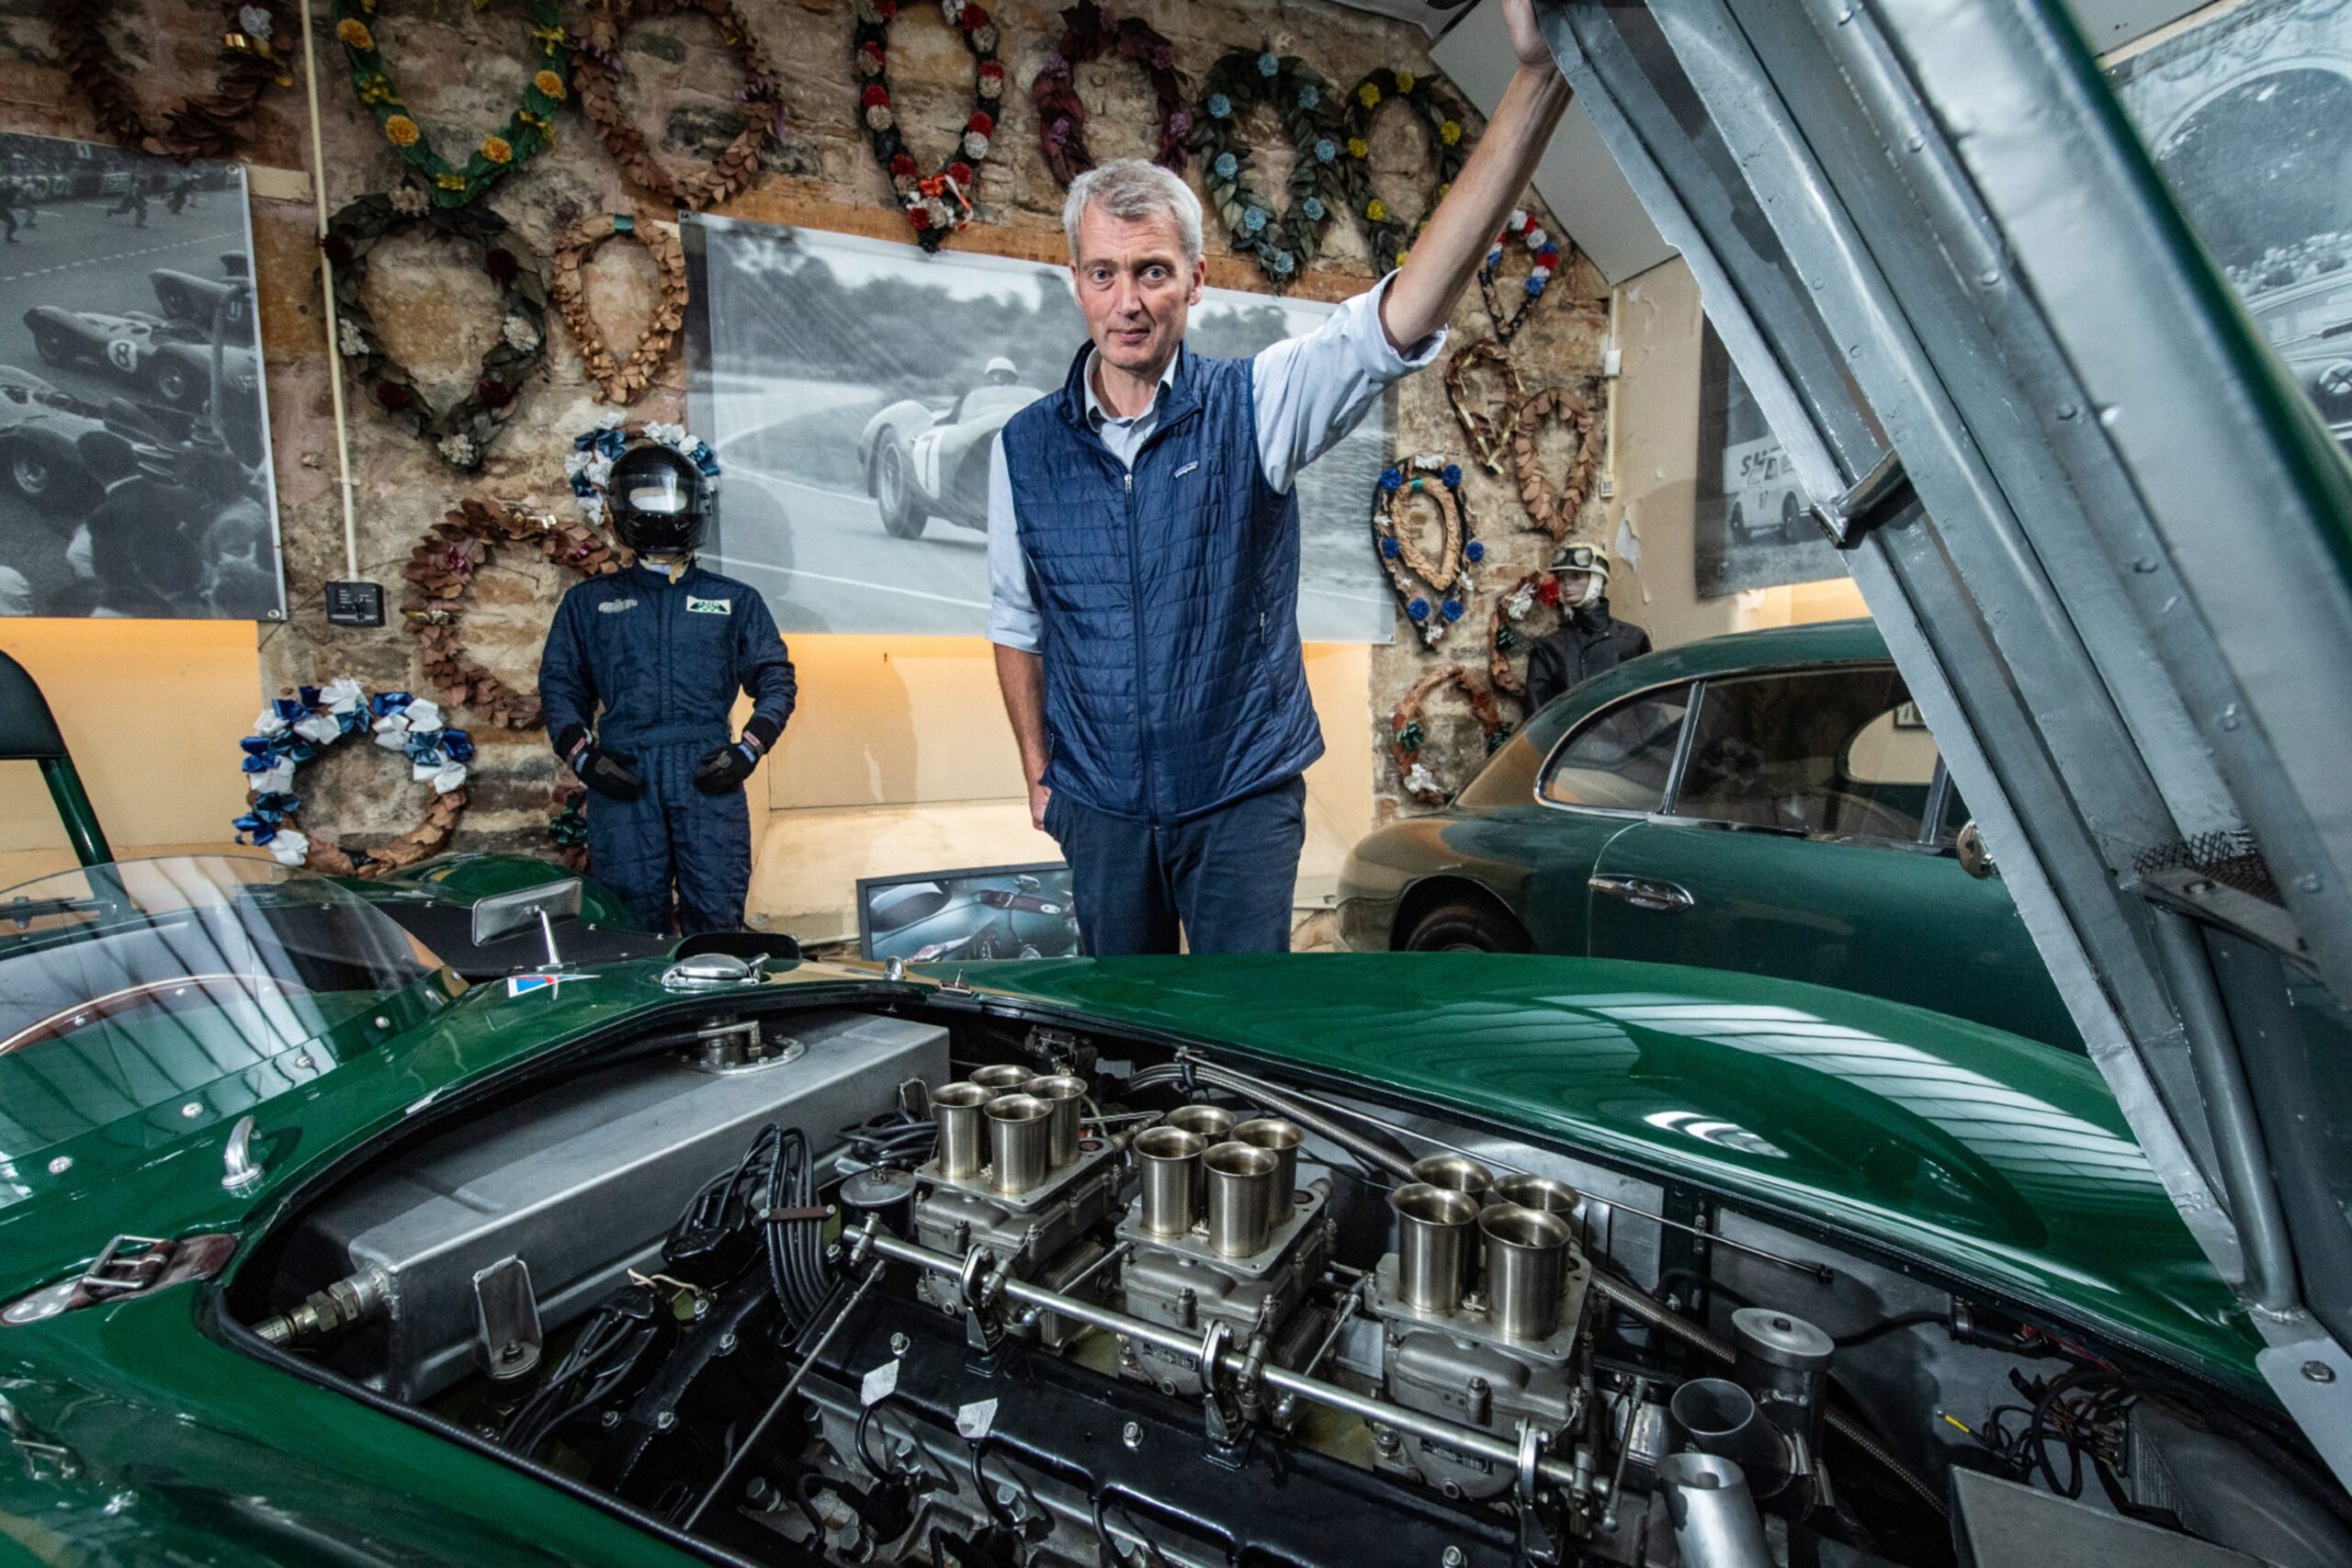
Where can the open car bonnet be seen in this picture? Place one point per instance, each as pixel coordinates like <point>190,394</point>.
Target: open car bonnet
<point>2105,541</point>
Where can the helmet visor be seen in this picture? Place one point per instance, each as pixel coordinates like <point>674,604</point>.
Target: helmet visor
<point>651,490</point>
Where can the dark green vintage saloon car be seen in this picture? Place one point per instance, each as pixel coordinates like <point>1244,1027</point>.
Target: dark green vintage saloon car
<point>313,1251</point>
<point>1768,801</point>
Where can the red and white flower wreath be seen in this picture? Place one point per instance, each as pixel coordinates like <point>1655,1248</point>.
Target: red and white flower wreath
<point>938,204</point>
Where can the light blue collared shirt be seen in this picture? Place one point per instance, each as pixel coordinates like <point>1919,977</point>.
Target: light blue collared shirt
<point>1309,392</point>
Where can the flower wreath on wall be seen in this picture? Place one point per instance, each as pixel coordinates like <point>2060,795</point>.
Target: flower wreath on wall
<point>616,380</point>
<point>1408,733</point>
<point>210,126</point>
<point>1506,631</point>
<point>441,571</point>
<point>597,73</point>
<point>463,434</point>
<point>936,204</point>
<point>1545,254</point>
<point>294,730</point>
<point>1391,236</point>
<point>528,129</point>
<point>589,464</point>
<point>1088,33</point>
<point>1432,594</point>
<point>1283,242</point>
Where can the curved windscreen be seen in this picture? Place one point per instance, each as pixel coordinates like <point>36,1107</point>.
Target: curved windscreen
<point>126,986</point>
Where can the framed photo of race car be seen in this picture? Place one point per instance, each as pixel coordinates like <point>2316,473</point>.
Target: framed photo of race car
<point>989,912</point>
<point>853,389</point>
<point>135,475</point>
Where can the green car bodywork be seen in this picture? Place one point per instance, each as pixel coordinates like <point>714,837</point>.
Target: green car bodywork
<point>1964,1153</point>
<point>1896,920</point>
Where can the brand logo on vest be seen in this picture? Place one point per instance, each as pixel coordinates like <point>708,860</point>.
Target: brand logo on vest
<point>614,606</point>
<point>709,606</point>
<point>1187,467</point>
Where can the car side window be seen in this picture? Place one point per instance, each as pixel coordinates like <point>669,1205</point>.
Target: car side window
<point>1620,760</point>
<point>1839,753</point>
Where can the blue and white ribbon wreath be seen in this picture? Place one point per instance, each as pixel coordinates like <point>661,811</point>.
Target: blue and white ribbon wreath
<point>292,730</point>
<point>589,464</point>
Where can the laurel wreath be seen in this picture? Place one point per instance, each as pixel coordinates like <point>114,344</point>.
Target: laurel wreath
<point>1407,732</point>
<point>1503,632</point>
<point>938,204</point>
<point>616,380</point>
<point>440,574</point>
<point>1544,253</point>
<point>1088,33</point>
<point>1413,577</point>
<point>596,74</point>
<point>207,124</point>
<point>463,434</point>
<point>1555,511</point>
<point>1489,434</point>
<point>273,815</point>
<point>1282,242</point>
<point>1450,142</point>
<point>530,128</point>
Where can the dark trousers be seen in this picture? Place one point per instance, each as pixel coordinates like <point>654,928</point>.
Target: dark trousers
<point>1226,880</point>
<point>673,835</point>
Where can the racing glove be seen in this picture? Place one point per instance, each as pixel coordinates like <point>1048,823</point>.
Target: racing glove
<point>610,773</point>
<point>726,769</point>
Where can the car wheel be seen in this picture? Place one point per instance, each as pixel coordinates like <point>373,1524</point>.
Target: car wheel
<point>175,383</point>
<point>52,345</point>
<point>1736,522</point>
<point>1464,927</point>
<point>31,474</point>
<point>894,489</point>
<point>1791,520</point>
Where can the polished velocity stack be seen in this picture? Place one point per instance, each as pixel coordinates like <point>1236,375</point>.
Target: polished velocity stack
<point>1481,1308</point>
<point>1014,1174</point>
<point>1220,1231</point>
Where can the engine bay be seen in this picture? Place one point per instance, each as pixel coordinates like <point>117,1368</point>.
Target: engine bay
<point>853,1286</point>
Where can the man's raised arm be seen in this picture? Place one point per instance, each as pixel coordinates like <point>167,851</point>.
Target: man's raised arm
<point>1448,252</point>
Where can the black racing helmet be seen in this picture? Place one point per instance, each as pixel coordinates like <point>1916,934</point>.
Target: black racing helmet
<point>655,499</point>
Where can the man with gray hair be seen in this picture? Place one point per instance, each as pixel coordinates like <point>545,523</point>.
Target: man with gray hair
<point>1143,545</point>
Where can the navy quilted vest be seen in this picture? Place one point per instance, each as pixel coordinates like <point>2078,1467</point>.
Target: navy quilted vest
<point>1174,683</point>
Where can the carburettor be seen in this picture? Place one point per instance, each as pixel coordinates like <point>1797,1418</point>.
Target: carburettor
<point>1013,1176</point>
<point>1221,1235</point>
<point>1489,1335</point>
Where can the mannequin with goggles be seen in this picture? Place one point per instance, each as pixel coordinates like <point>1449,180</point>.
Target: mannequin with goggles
<point>1588,640</point>
<point>639,682</point>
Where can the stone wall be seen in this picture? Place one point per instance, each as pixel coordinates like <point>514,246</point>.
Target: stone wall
<point>462,71</point>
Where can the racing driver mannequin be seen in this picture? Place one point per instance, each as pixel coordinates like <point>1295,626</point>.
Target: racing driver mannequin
<point>638,681</point>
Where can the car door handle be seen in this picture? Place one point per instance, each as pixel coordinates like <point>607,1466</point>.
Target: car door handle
<point>1645,893</point>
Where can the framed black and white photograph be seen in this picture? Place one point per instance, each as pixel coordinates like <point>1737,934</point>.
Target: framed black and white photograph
<point>1748,513</point>
<point>2249,117</point>
<point>134,432</point>
<point>991,911</point>
<point>853,390</point>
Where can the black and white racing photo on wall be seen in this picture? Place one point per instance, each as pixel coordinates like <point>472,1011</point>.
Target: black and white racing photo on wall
<point>1748,514</point>
<point>853,389</point>
<point>134,434</point>
<point>2250,119</point>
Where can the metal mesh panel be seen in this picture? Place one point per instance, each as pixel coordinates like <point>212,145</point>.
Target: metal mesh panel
<point>2230,857</point>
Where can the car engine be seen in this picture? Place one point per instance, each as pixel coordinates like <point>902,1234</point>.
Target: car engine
<point>851,1288</point>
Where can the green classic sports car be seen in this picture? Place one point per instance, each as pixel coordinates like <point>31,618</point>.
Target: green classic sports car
<point>321,1254</point>
<point>1769,802</point>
